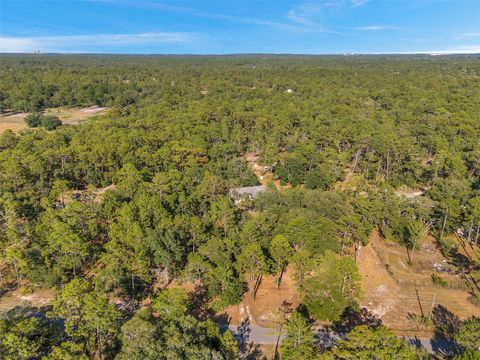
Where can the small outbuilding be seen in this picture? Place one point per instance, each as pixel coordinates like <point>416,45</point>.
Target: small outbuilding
<point>250,192</point>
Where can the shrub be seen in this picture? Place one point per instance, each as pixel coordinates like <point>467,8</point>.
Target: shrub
<point>474,299</point>
<point>439,281</point>
<point>33,120</point>
<point>421,320</point>
<point>50,122</point>
<point>447,245</point>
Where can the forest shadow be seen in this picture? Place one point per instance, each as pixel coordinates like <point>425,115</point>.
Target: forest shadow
<point>133,288</point>
<point>459,260</point>
<point>198,299</point>
<point>446,324</point>
<point>351,318</point>
<point>326,338</point>
<point>7,287</point>
<point>28,311</point>
<point>222,319</point>
<point>415,342</point>
<point>248,349</point>
<point>21,311</point>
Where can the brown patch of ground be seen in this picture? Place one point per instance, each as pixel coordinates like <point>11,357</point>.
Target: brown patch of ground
<point>264,174</point>
<point>409,193</point>
<point>15,298</point>
<point>75,116</point>
<point>252,157</point>
<point>16,121</point>
<point>267,351</point>
<point>188,286</point>
<point>389,284</point>
<point>99,192</point>
<point>465,248</point>
<point>86,195</point>
<point>268,299</point>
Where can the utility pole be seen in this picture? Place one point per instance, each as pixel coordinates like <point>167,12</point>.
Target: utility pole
<point>433,304</point>
<point>419,303</point>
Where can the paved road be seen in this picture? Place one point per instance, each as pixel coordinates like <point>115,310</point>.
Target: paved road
<point>256,334</point>
<point>260,335</point>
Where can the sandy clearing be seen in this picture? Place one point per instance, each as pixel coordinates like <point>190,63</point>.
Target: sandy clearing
<point>16,121</point>
<point>389,290</point>
<point>36,299</point>
<point>268,299</point>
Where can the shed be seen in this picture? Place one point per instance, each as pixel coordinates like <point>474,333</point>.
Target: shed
<point>237,194</point>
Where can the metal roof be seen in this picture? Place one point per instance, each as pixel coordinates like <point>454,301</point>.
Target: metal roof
<point>250,190</point>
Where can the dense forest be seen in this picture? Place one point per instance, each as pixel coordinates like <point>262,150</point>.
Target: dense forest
<point>340,134</point>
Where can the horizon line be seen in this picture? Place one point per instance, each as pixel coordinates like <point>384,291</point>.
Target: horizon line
<point>432,53</point>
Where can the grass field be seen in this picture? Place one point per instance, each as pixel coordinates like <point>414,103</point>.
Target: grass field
<point>16,121</point>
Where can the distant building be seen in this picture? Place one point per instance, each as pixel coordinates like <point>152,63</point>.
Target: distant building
<point>251,192</point>
<point>409,193</point>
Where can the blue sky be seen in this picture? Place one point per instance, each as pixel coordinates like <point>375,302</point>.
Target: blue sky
<point>222,27</point>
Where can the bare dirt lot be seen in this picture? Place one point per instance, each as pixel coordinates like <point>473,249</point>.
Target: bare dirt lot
<point>16,121</point>
<point>95,194</point>
<point>265,177</point>
<point>389,284</point>
<point>268,299</point>
<point>16,298</point>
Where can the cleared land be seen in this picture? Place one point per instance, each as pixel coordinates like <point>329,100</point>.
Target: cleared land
<point>16,298</point>
<point>267,299</point>
<point>265,176</point>
<point>16,121</point>
<point>389,284</point>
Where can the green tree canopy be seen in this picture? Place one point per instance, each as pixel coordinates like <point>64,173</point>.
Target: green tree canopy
<point>333,286</point>
<point>365,343</point>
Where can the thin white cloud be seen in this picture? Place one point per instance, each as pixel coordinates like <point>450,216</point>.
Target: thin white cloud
<point>305,17</point>
<point>79,42</point>
<point>467,49</point>
<point>376,28</point>
<point>299,21</point>
<point>16,45</point>
<point>252,21</point>
<point>352,3</point>
<point>300,18</point>
<point>467,35</point>
<point>471,34</point>
<point>211,15</point>
<point>356,3</point>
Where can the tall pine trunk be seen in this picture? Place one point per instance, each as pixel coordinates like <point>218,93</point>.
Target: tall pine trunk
<point>443,227</point>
